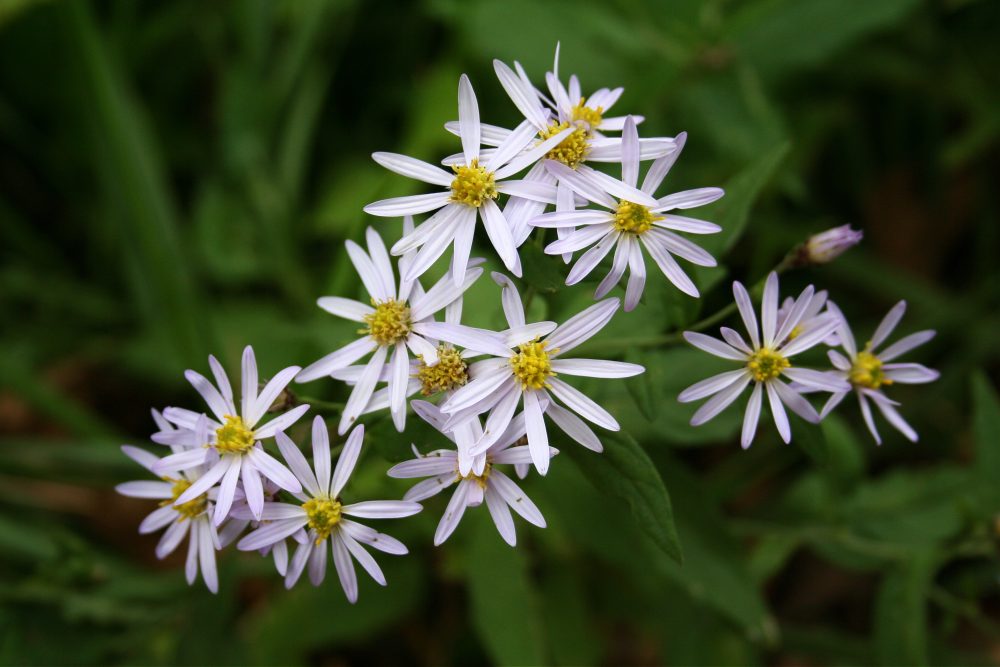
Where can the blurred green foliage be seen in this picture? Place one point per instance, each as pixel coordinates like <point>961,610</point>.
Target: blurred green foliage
<point>178,179</point>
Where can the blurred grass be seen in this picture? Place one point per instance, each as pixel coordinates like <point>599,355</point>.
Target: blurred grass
<point>179,178</point>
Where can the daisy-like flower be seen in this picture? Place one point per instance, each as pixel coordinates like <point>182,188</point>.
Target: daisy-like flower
<point>483,481</point>
<point>229,445</point>
<point>868,371</point>
<point>323,515</point>
<point>627,225</point>
<point>397,321</point>
<point>187,519</point>
<point>524,370</point>
<point>812,316</point>
<point>765,363</point>
<point>428,377</point>
<point>469,193</point>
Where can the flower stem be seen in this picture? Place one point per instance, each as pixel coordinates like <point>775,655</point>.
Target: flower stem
<point>319,404</point>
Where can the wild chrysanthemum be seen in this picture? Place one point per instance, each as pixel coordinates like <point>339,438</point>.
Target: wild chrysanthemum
<point>469,193</point>
<point>482,480</point>
<point>628,225</point>
<point>399,321</point>
<point>323,515</point>
<point>229,445</point>
<point>189,519</point>
<point>524,369</point>
<point>868,371</point>
<point>765,361</point>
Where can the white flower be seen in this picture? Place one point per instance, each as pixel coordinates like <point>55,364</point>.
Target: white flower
<point>812,316</point>
<point>629,224</point>
<point>867,371</point>
<point>765,361</point>
<point>229,445</point>
<point>585,144</point>
<point>482,481</point>
<point>469,193</point>
<point>524,363</point>
<point>188,519</point>
<point>402,319</point>
<point>324,516</point>
<point>445,374</point>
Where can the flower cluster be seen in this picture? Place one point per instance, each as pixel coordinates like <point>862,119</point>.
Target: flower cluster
<point>494,394</point>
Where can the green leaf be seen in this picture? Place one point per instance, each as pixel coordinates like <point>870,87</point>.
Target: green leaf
<point>505,612</point>
<point>625,470</point>
<point>541,271</point>
<point>835,449</point>
<point>901,611</point>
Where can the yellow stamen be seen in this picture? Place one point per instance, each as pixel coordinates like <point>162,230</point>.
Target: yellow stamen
<point>390,323</point>
<point>450,372</point>
<point>482,480</point>
<point>634,218</point>
<point>766,364</point>
<point>323,514</point>
<point>582,113</point>
<point>572,150</point>
<point>473,185</point>
<point>531,365</point>
<point>191,508</point>
<point>866,371</point>
<point>233,437</point>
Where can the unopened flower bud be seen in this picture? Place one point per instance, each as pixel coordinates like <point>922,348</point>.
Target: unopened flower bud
<point>829,245</point>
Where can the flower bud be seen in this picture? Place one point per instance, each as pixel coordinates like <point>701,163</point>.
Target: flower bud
<point>829,245</point>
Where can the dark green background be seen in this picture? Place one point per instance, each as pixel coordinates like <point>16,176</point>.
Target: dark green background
<point>178,178</point>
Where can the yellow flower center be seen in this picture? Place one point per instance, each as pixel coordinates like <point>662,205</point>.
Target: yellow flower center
<point>390,323</point>
<point>531,365</point>
<point>323,514</point>
<point>572,150</point>
<point>450,372</point>
<point>634,218</point>
<point>766,364</point>
<point>482,480</point>
<point>233,437</point>
<point>582,113</point>
<point>866,371</point>
<point>473,185</point>
<point>191,508</point>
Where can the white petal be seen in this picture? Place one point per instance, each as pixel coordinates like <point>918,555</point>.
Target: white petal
<point>525,99</point>
<point>364,559</point>
<point>888,323</point>
<point>513,309</point>
<point>824,381</point>
<point>381,509</point>
<point>659,169</point>
<point>270,393</point>
<point>500,513</point>
<point>347,308</point>
<point>571,218</point>
<point>668,265</point>
<point>745,307</point>
<point>751,417</point>
<point>398,382</point>
<point>688,199</point>
<point>337,359</point>
<point>769,310</point>
<point>516,498</point>
<point>582,405</point>
<point>905,344</point>
<point>281,422</point>
<point>362,391</point>
<point>630,153</point>
<point>712,385</point>
<point>216,403</point>
<point>410,205</point>
<point>596,368</point>
<point>582,326</point>
<point>714,346</point>
<point>345,568</point>
<point>498,231</point>
<point>583,186</point>
<point>453,513</point>
<point>513,143</point>
<point>347,460</point>
<point>573,426</point>
<point>526,189</point>
<point>274,470</point>
<point>538,438</point>
<point>910,373</point>
<point>413,168</point>
<point>479,340</point>
<point>778,412</point>
<point>298,464</point>
<point>720,401</point>
<point>145,489</point>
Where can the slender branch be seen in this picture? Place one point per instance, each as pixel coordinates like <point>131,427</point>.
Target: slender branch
<point>320,404</point>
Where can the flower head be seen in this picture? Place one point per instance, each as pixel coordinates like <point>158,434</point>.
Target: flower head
<point>766,362</point>
<point>827,246</point>
<point>629,223</point>
<point>326,519</point>
<point>469,193</point>
<point>869,371</point>
<point>477,480</point>
<point>228,442</point>
<point>400,321</point>
<point>188,519</point>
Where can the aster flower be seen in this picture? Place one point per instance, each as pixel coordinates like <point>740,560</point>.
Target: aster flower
<point>398,321</point>
<point>229,445</point>
<point>765,363</point>
<point>469,193</point>
<point>628,225</point>
<point>323,515</point>
<point>482,481</point>
<point>827,246</point>
<point>868,371</point>
<point>449,371</point>
<point>188,519</point>
<point>524,368</point>
<point>812,316</point>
